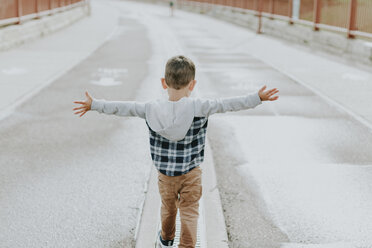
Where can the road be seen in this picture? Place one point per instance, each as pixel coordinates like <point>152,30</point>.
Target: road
<point>292,173</point>
<point>73,182</point>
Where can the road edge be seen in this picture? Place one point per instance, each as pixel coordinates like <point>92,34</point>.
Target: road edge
<point>216,233</point>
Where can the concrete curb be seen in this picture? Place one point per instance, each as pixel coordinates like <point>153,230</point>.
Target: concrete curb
<point>216,234</point>
<point>14,35</point>
<point>147,227</point>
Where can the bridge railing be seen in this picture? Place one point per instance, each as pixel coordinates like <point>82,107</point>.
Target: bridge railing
<point>17,11</point>
<point>352,17</point>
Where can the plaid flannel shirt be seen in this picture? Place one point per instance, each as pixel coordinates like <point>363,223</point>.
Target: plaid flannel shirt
<point>174,158</point>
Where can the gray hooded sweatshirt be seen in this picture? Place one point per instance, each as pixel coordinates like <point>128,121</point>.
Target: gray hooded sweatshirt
<point>172,119</point>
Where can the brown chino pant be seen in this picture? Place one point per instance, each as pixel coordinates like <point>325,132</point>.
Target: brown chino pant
<point>181,192</point>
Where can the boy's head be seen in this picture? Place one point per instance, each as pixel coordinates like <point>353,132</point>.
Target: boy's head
<point>179,73</point>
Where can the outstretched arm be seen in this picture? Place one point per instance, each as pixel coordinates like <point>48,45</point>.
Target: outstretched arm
<point>221,105</point>
<point>121,108</point>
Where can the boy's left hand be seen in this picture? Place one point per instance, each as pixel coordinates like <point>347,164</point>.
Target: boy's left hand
<point>268,95</point>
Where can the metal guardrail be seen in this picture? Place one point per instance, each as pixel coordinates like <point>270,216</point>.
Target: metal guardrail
<point>17,11</point>
<point>352,17</point>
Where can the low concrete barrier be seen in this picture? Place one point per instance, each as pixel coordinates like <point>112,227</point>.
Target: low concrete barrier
<point>357,50</point>
<point>17,34</point>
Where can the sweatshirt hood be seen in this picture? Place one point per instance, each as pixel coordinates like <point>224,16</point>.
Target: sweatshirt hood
<point>170,119</point>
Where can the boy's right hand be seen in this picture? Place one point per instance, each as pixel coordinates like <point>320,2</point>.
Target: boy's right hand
<point>86,106</point>
<point>268,95</point>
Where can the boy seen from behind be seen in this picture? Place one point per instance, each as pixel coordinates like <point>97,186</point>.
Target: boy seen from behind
<point>177,129</point>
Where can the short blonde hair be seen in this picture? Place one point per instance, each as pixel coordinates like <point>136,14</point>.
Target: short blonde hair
<point>179,71</point>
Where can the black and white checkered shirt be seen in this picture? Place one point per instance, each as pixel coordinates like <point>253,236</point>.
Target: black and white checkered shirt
<point>173,153</point>
<point>174,158</point>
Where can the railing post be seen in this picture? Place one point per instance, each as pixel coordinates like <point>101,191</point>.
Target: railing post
<point>272,9</point>
<point>19,10</point>
<point>352,18</point>
<point>259,15</point>
<point>290,9</point>
<point>317,13</point>
<point>37,9</point>
<point>245,4</point>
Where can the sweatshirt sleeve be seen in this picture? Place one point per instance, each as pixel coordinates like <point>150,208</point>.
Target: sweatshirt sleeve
<point>206,107</point>
<point>120,108</point>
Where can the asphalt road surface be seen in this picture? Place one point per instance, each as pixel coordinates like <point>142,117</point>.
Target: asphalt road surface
<point>293,171</point>
<point>67,181</point>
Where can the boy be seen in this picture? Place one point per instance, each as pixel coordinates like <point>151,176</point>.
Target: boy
<point>177,129</point>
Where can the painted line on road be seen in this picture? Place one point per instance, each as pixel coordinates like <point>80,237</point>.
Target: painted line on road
<point>329,100</point>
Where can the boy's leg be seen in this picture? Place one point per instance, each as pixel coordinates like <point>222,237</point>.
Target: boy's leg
<point>169,197</point>
<point>190,194</point>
